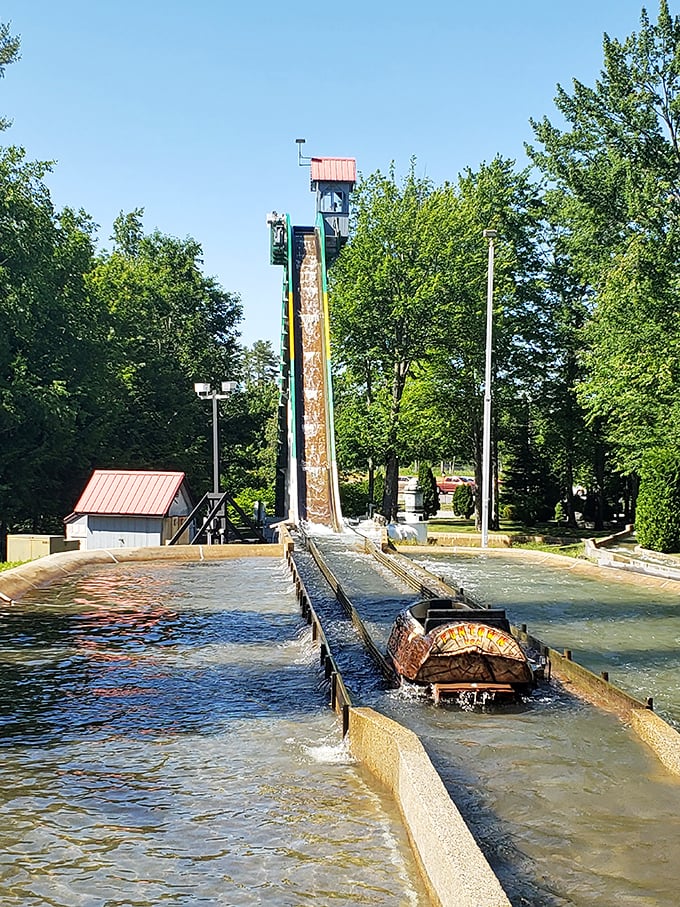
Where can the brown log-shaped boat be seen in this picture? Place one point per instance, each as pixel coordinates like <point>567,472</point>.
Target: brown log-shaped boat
<point>445,643</point>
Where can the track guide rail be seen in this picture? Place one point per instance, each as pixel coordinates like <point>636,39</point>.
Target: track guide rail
<point>340,701</point>
<point>375,653</point>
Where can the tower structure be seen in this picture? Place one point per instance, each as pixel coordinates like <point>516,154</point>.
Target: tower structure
<point>333,178</point>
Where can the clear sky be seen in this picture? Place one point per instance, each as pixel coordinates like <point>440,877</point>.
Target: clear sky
<point>191,110</point>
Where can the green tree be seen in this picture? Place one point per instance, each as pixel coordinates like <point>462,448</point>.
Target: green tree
<point>529,484</point>
<point>616,164</point>
<point>385,288</point>
<point>361,415</point>
<point>499,197</point>
<point>9,53</point>
<point>463,501</point>
<point>50,354</point>
<point>428,484</point>
<point>250,427</point>
<point>169,326</point>
<point>657,521</point>
<point>409,311</point>
<point>98,354</point>
<point>260,363</point>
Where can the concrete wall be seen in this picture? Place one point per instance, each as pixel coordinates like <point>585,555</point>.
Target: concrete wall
<point>663,739</point>
<point>16,582</point>
<point>660,736</point>
<point>455,870</point>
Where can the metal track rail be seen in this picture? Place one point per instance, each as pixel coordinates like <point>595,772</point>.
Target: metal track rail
<point>589,686</point>
<point>349,609</point>
<point>340,700</point>
<point>426,584</point>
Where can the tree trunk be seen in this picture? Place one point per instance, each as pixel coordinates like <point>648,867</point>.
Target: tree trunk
<point>391,485</point>
<point>569,496</point>
<point>599,476</point>
<point>477,453</point>
<point>630,501</point>
<point>494,519</point>
<point>389,506</point>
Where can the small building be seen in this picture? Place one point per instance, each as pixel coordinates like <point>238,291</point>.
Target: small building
<point>333,178</point>
<point>126,508</point>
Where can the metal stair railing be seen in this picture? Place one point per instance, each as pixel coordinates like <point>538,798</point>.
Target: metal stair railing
<point>218,509</point>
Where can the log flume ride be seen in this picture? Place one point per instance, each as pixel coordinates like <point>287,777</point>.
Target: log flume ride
<point>444,644</point>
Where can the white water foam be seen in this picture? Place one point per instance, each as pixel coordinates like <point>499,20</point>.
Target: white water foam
<point>320,529</point>
<point>328,753</point>
<point>409,692</point>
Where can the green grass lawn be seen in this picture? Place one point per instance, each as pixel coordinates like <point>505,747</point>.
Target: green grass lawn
<point>7,565</point>
<point>510,527</point>
<point>541,537</point>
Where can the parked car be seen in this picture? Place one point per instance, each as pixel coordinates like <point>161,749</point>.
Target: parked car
<point>448,484</point>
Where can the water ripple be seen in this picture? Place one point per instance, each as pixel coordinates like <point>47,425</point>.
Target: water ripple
<point>166,740</point>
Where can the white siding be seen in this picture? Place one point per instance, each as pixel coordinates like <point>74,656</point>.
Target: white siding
<point>182,505</point>
<point>123,531</point>
<point>77,529</point>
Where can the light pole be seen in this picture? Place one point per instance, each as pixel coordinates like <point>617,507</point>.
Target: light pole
<point>486,435</point>
<point>206,392</point>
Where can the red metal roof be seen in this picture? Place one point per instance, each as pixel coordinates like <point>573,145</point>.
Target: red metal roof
<point>334,169</point>
<point>130,492</point>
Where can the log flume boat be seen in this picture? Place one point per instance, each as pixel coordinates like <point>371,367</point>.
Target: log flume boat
<point>454,649</point>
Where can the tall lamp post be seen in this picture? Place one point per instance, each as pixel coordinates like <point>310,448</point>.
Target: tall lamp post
<point>486,435</point>
<point>206,392</point>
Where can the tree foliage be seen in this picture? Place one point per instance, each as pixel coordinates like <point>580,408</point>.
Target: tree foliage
<point>49,345</point>
<point>168,327</point>
<point>463,501</point>
<point>430,490</point>
<point>616,168</point>
<point>9,53</point>
<point>99,352</point>
<point>408,303</point>
<point>386,287</point>
<point>658,511</point>
<point>260,364</point>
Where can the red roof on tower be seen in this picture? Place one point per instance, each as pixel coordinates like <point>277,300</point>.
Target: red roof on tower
<point>334,169</point>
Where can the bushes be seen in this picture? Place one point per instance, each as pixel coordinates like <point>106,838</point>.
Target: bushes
<point>511,513</point>
<point>657,519</point>
<point>354,498</point>
<point>247,497</point>
<point>428,483</point>
<point>463,501</point>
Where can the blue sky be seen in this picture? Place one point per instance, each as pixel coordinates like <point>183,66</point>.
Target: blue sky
<point>191,110</point>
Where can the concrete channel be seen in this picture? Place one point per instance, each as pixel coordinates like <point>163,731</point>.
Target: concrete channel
<point>455,872</point>
<point>661,737</point>
<point>453,867</point>
<point>575,680</point>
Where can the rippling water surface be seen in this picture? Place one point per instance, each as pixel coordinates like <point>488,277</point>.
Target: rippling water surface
<point>165,739</point>
<point>568,805</point>
<point>609,623</point>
